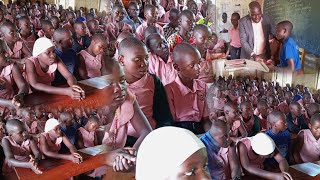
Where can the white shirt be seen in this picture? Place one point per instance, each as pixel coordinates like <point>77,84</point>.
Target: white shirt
<point>259,40</point>
<point>221,26</point>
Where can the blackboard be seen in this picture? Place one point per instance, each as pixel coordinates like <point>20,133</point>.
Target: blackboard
<point>305,17</point>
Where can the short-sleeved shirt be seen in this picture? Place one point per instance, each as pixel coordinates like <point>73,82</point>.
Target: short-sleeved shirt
<point>142,28</point>
<point>163,70</point>
<point>69,58</point>
<point>187,104</point>
<point>310,151</point>
<point>282,141</point>
<point>296,127</point>
<point>290,50</point>
<point>234,37</point>
<point>176,39</point>
<point>218,162</point>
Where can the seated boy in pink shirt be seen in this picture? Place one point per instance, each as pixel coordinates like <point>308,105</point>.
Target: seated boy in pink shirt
<point>160,61</point>
<point>150,13</point>
<point>186,95</point>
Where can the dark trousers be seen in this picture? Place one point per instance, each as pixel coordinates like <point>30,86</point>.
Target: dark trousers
<point>195,127</point>
<point>235,52</point>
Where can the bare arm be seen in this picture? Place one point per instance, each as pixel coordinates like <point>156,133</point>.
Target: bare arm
<point>140,124</point>
<point>297,148</point>
<point>35,150</point>
<point>10,156</point>
<point>80,140</point>
<point>82,71</point>
<point>243,130</point>
<point>19,80</point>
<point>234,162</point>
<point>47,152</point>
<point>71,80</point>
<point>26,52</point>
<point>283,164</point>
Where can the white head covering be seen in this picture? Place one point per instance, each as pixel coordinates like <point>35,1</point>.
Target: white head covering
<point>51,124</point>
<point>262,144</point>
<point>163,151</point>
<point>41,45</point>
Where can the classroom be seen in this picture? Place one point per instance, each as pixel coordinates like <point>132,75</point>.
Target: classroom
<point>159,89</point>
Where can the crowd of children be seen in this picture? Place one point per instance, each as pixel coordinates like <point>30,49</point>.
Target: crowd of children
<point>158,56</point>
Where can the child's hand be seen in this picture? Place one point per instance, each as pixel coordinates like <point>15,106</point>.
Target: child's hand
<point>33,165</point>
<point>79,90</point>
<point>77,158</point>
<point>17,100</point>
<point>125,160</point>
<point>284,175</point>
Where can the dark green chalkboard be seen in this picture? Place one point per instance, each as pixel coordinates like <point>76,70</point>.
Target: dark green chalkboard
<point>305,16</point>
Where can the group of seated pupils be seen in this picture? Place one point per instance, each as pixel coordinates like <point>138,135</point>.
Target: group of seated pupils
<point>159,62</point>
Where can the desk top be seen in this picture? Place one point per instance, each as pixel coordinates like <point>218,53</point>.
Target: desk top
<point>94,98</point>
<point>53,168</point>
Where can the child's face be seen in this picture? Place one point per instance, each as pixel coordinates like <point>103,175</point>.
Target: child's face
<point>10,34</point>
<point>119,86</point>
<point>135,62</point>
<point>66,43</point>
<point>152,15</point>
<point>281,124</point>
<point>306,99</point>
<point>92,126</point>
<point>194,167</point>
<point>264,111</point>
<point>296,110</point>
<point>246,110</point>
<point>80,29</point>
<point>174,19</point>
<point>25,25</point>
<point>187,22</point>
<point>118,14</point>
<point>281,32</point>
<point>232,113</point>
<point>55,23</point>
<point>272,102</point>
<point>78,112</point>
<point>93,27</point>
<point>159,46</point>
<point>133,10</point>
<point>194,8</point>
<point>222,138</point>
<point>190,67</point>
<point>19,133</point>
<point>48,31</point>
<point>98,47</point>
<point>48,57</point>
<point>171,4</point>
<point>56,132</point>
<point>315,129</point>
<point>5,59</point>
<point>202,39</point>
<point>71,17</point>
<point>234,20</point>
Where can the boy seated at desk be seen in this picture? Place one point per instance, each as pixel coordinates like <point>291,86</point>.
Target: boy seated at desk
<point>19,148</point>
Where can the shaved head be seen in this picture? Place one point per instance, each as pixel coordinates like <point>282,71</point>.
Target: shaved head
<point>99,38</point>
<point>60,34</point>
<point>128,44</point>
<point>201,28</point>
<point>315,117</point>
<point>13,124</point>
<point>262,104</point>
<point>286,25</point>
<point>64,116</point>
<point>275,116</point>
<point>182,50</point>
<point>124,35</point>
<point>254,4</point>
<point>218,126</point>
<point>229,106</point>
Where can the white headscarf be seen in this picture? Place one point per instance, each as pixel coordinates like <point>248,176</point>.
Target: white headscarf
<point>163,151</point>
<point>41,45</point>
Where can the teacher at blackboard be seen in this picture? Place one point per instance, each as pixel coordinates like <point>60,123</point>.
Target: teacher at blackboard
<point>255,29</point>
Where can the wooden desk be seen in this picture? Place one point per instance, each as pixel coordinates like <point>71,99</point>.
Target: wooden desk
<point>62,169</point>
<point>94,98</point>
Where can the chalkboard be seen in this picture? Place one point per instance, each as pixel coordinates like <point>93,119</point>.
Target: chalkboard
<point>305,17</point>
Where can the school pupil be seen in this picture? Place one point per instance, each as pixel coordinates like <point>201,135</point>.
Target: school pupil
<point>51,140</point>
<point>126,111</point>
<point>132,18</point>
<point>251,121</point>
<point>19,148</point>
<point>173,26</point>
<point>40,75</point>
<point>295,118</point>
<point>307,146</point>
<point>186,94</point>
<point>80,37</point>
<point>47,29</point>
<point>133,57</point>
<point>223,162</point>
<point>87,136</point>
<point>26,33</point>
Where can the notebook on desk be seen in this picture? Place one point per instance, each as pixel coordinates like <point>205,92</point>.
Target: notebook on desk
<point>97,82</point>
<point>94,150</point>
<point>310,169</point>
<point>240,64</point>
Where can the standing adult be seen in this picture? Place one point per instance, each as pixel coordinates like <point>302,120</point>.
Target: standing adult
<point>223,28</point>
<point>255,29</point>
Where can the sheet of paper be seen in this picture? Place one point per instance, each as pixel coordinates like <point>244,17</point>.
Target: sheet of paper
<point>97,82</point>
<point>308,168</point>
<point>91,150</point>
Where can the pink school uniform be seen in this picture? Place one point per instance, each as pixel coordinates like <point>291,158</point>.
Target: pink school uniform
<point>44,77</point>
<point>117,135</point>
<point>187,104</point>
<point>164,71</point>
<point>263,123</point>
<point>206,71</point>
<point>29,41</point>
<point>20,152</point>
<point>143,88</point>
<point>310,151</point>
<point>52,146</point>
<point>88,137</point>
<point>93,64</point>
<point>255,160</point>
<point>221,165</point>
<point>7,82</point>
<point>141,29</point>
<point>161,12</point>
<point>113,31</point>
<point>16,52</point>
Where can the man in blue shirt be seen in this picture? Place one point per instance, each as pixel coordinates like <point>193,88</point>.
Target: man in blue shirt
<point>289,53</point>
